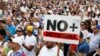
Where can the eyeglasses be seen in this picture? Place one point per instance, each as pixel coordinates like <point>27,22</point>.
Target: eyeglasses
<point>18,31</point>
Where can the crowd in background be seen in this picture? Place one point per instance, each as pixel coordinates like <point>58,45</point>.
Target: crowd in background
<point>22,22</point>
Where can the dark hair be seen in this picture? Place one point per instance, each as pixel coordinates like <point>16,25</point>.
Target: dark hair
<point>10,40</point>
<point>96,22</point>
<point>3,32</point>
<point>89,25</point>
<point>85,23</point>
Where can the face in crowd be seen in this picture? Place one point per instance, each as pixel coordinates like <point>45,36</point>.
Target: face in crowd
<point>8,20</point>
<point>49,44</point>
<point>83,26</point>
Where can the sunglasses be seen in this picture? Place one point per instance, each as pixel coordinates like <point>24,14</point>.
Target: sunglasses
<point>18,31</point>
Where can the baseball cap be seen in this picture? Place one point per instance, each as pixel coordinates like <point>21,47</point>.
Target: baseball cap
<point>29,28</point>
<point>96,26</point>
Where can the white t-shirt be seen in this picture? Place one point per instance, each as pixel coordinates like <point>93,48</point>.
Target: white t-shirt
<point>9,53</point>
<point>20,39</point>
<point>86,34</point>
<point>30,40</point>
<point>50,52</point>
<point>94,42</point>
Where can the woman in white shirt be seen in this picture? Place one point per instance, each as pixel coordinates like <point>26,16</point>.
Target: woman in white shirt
<point>84,30</point>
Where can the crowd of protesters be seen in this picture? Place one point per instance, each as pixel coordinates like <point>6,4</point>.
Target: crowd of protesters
<point>22,21</point>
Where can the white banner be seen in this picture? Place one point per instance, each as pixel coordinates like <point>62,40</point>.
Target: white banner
<point>63,29</point>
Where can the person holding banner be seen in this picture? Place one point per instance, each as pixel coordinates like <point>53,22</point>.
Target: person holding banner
<point>50,49</point>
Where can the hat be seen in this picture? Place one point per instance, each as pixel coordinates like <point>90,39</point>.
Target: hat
<point>19,29</point>
<point>29,28</point>
<point>15,40</point>
<point>96,26</point>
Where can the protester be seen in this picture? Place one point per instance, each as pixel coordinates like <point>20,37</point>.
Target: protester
<point>10,29</point>
<point>84,30</point>
<point>16,49</point>
<point>50,49</point>
<point>95,39</point>
<point>29,42</point>
<point>21,13</point>
<point>19,36</point>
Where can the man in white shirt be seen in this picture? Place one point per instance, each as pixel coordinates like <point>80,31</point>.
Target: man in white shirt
<point>50,49</point>
<point>30,42</point>
<point>95,39</point>
<point>19,36</point>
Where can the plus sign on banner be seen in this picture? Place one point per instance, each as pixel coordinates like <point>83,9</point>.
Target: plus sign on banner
<point>63,29</point>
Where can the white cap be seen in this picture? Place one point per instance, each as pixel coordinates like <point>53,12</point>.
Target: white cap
<point>16,40</point>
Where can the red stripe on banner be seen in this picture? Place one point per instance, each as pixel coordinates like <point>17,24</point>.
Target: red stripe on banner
<point>61,35</point>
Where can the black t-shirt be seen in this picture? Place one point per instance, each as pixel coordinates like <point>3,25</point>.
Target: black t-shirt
<point>92,53</point>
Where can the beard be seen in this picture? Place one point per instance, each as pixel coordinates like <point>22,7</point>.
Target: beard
<point>49,47</point>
